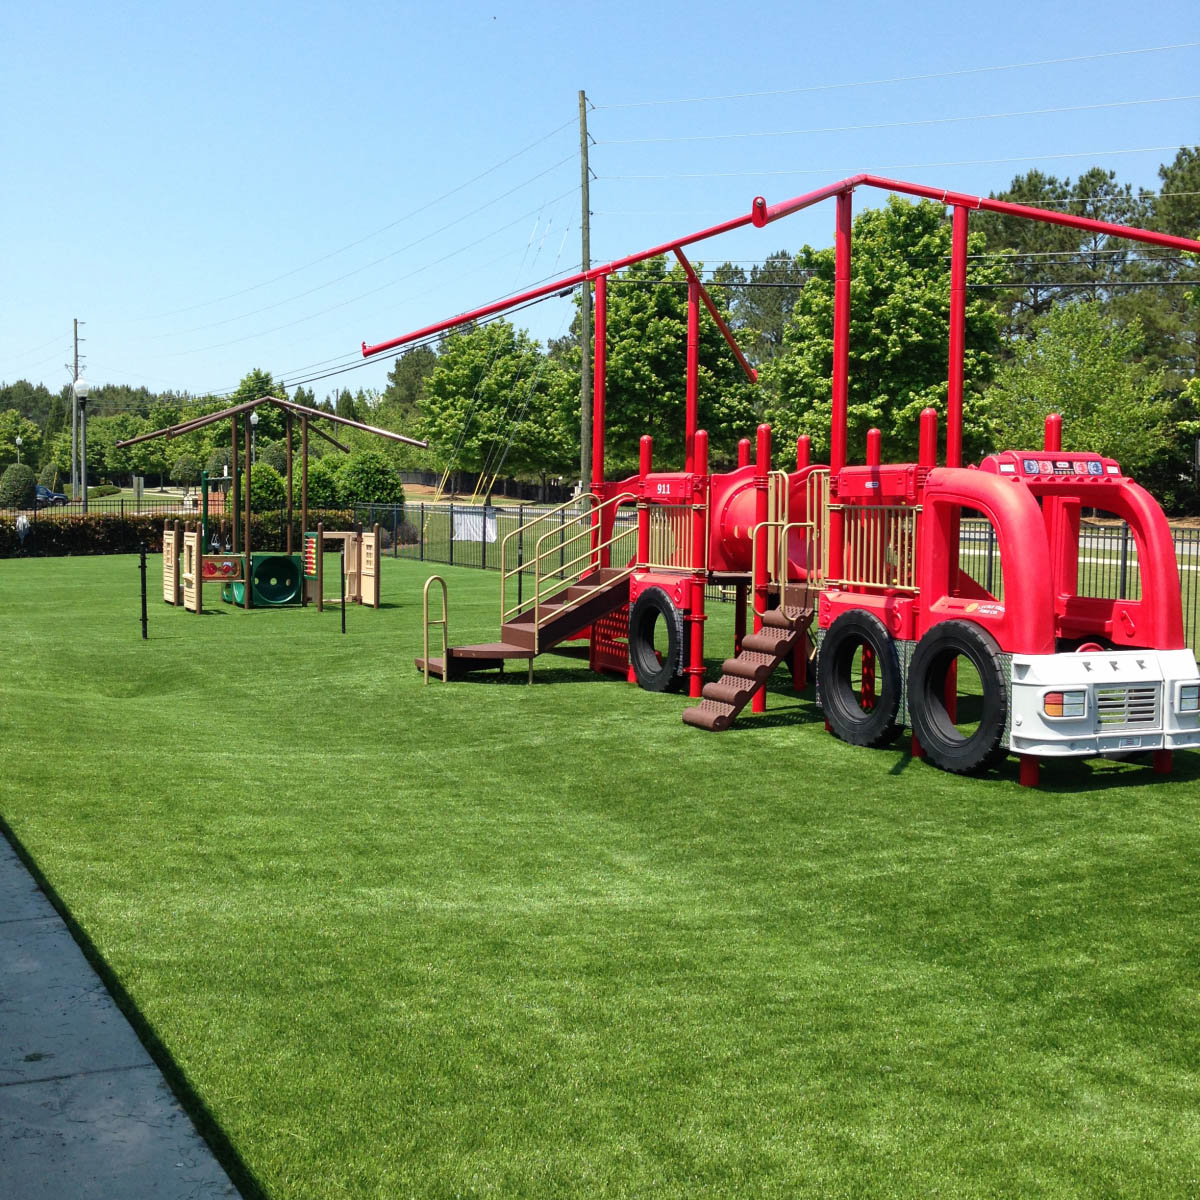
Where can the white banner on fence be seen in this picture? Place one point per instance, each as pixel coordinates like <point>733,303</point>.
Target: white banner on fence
<point>474,526</point>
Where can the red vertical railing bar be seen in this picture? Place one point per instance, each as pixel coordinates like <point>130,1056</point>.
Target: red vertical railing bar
<point>693,374</point>
<point>958,323</point>
<point>599,397</point>
<point>762,472</point>
<point>696,615</point>
<point>841,372</point>
<point>599,378</point>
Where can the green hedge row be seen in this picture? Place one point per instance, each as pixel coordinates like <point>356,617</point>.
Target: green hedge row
<point>52,534</point>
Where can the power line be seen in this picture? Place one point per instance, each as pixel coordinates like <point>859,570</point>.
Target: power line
<point>374,262</point>
<point>362,296</point>
<point>996,116</point>
<point>366,237</point>
<point>963,162</point>
<point>829,87</point>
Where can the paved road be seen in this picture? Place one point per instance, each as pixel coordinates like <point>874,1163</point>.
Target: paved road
<point>84,1112</point>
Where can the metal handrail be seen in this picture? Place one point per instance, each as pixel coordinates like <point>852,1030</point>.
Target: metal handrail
<point>566,574</point>
<point>777,565</point>
<point>443,621</point>
<point>505,573</point>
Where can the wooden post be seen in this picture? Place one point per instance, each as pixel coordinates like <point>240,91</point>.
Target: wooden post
<point>233,483</point>
<point>320,566</point>
<point>288,426</point>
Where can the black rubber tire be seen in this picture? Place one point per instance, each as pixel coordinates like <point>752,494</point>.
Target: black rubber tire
<point>846,716</point>
<point>943,744</point>
<point>651,606</point>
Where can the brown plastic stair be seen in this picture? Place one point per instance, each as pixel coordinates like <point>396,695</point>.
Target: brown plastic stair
<point>782,630</point>
<point>561,616</point>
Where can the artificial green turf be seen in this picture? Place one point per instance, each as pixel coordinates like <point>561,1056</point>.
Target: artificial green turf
<point>492,939</point>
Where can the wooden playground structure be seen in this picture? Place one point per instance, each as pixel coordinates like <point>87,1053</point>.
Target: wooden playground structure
<point>268,578</point>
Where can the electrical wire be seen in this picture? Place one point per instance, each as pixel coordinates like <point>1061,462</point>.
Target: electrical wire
<point>362,296</point>
<point>366,237</point>
<point>374,262</point>
<point>962,162</point>
<point>925,121</point>
<point>956,74</point>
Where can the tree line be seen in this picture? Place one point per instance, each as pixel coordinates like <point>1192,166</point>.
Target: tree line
<point>1103,330</point>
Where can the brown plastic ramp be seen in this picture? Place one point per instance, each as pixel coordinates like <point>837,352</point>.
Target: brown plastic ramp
<point>782,630</point>
<point>560,617</point>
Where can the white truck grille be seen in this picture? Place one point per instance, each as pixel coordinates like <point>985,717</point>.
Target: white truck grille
<point>1127,707</point>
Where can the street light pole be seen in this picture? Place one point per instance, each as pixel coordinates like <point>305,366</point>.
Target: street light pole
<point>80,389</point>
<point>18,449</point>
<point>254,436</point>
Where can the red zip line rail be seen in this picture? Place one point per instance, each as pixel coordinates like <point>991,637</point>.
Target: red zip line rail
<point>760,215</point>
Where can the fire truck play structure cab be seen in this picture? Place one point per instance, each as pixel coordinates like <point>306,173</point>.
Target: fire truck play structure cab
<point>875,566</point>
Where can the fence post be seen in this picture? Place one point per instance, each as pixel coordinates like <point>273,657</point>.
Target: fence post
<point>451,515</point>
<point>421,533</point>
<point>396,510</point>
<point>483,541</point>
<point>1124,560</point>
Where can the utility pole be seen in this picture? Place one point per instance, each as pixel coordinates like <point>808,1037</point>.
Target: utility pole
<point>585,310</point>
<point>74,418</point>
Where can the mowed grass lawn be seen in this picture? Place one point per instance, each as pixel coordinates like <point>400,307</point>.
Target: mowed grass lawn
<point>499,940</point>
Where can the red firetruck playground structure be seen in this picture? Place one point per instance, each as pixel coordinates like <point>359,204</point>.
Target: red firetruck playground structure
<point>873,551</point>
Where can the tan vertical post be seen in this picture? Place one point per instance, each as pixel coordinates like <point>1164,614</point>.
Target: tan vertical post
<point>320,566</point>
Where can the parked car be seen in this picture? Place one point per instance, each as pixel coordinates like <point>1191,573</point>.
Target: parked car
<point>47,499</point>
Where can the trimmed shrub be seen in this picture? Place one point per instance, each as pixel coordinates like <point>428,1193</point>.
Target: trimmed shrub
<point>18,486</point>
<point>50,476</point>
<point>368,478</point>
<point>54,533</point>
<point>103,489</point>
<point>267,490</point>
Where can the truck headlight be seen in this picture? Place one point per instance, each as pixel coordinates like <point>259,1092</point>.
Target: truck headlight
<point>1189,697</point>
<point>1065,704</point>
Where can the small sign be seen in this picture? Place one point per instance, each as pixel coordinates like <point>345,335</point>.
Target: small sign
<point>1030,465</point>
<point>1095,467</point>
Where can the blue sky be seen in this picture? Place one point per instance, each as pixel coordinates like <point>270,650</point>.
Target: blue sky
<point>237,185</point>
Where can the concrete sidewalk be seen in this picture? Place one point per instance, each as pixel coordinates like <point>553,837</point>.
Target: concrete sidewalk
<point>84,1112</point>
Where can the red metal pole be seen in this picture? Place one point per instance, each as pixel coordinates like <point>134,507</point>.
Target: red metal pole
<point>1053,432</point>
<point>1047,216</point>
<point>838,432</point>
<point>927,449</point>
<point>803,451</point>
<point>874,447</point>
<point>599,378</point>
<point>743,452</point>
<point>758,702</point>
<point>696,614</point>
<point>958,324</point>
<point>750,372</point>
<point>693,374</point>
<point>645,461</point>
<point>841,334</point>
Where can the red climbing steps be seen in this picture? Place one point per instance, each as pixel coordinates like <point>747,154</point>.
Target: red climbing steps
<point>783,629</point>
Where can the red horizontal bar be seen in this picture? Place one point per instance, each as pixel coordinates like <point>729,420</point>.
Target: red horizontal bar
<point>549,288</point>
<point>761,214</point>
<point>1033,214</point>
